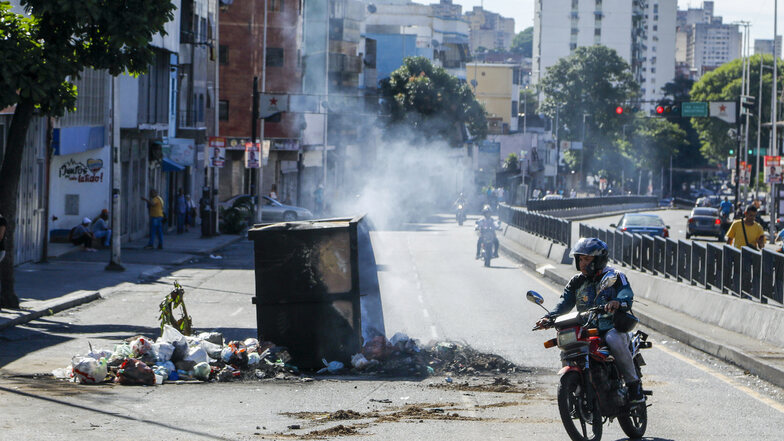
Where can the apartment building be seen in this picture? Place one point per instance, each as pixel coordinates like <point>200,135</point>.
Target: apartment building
<point>705,40</point>
<point>764,46</point>
<point>642,32</point>
<point>489,30</point>
<point>497,88</point>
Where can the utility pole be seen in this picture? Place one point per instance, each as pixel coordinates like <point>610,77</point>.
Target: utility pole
<point>260,175</point>
<point>114,261</point>
<point>774,115</point>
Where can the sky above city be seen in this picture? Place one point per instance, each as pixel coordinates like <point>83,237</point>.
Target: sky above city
<point>758,12</point>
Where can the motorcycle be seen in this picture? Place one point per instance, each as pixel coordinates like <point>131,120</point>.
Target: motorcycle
<point>591,391</point>
<point>460,215</point>
<point>487,240</point>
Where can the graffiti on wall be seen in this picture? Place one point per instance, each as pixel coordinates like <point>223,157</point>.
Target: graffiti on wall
<point>80,172</point>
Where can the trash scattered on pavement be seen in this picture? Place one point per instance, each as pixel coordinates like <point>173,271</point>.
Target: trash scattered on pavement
<point>174,357</point>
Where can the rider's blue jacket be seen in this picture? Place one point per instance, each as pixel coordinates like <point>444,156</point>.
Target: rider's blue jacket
<point>585,293</point>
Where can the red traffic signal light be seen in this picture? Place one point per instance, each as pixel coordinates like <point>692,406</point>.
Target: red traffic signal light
<point>619,110</point>
<point>659,109</point>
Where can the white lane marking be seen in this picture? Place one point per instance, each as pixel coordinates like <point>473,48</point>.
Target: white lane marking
<point>748,391</point>
<point>421,300</point>
<point>434,332</point>
<point>425,313</point>
<point>236,312</point>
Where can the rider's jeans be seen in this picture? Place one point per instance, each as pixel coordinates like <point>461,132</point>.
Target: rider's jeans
<point>618,342</point>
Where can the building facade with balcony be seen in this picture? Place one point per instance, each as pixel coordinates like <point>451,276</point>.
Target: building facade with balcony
<point>706,40</point>
<point>490,30</point>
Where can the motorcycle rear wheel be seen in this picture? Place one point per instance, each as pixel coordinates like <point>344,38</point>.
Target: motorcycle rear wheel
<point>580,415</point>
<point>636,422</point>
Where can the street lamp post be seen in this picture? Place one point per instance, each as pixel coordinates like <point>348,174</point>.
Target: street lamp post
<point>582,154</point>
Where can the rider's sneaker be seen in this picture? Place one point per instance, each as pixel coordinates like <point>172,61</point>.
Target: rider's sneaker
<point>635,393</point>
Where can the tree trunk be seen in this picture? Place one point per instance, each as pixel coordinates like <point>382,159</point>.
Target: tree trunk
<point>9,197</point>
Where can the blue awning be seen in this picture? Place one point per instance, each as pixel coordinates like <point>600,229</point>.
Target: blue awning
<point>171,166</point>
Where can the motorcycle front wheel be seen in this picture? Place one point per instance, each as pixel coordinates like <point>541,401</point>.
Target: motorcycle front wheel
<point>579,413</point>
<point>635,423</point>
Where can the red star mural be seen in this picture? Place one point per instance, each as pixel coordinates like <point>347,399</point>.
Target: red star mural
<point>722,108</point>
<point>273,101</point>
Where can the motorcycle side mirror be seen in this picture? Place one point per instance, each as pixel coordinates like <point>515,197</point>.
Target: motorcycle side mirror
<point>535,297</point>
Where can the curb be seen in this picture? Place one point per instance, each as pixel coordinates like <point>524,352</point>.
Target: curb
<point>52,307</point>
<point>754,365</point>
<point>77,298</point>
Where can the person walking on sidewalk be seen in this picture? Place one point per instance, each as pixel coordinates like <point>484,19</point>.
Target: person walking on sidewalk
<point>155,207</point>
<point>190,216</point>
<point>181,207</point>
<point>746,231</point>
<point>81,235</point>
<point>3,228</point>
<point>101,229</point>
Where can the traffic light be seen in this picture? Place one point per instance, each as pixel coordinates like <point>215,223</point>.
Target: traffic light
<point>751,151</point>
<point>732,152</point>
<point>619,110</point>
<point>747,103</point>
<point>668,110</point>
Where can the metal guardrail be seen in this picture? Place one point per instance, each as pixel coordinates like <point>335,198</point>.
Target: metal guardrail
<point>575,203</point>
<point>746,273</point>
<point>552,228</point>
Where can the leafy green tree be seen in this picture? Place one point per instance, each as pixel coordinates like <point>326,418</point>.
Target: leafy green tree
<point>584,89</point>
<point>724,84</point>
<point>432,102</point>
<point>523,42</point>
<point>679,91</point>
<point>653,141</point>
<point>511,162</point>
<point>42,52</point>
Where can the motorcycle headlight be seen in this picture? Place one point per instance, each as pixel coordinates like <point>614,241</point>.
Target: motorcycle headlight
<point>567,337</point>
<point>459,207</point>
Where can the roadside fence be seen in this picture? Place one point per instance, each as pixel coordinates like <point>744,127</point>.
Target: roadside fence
<point>578,203</point>
<point>552,228</point>
<point>746,273</point>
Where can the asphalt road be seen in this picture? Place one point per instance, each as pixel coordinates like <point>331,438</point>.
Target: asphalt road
<point>432,289</point>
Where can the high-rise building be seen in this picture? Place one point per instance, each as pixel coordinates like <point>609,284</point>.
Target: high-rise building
<point>489,30</point>
<point>704,41</point>
<point>642,32</point>
<point>766,46</point>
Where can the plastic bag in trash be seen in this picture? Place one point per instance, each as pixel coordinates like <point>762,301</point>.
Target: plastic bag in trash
<point>65,373</point>
<point>140,346</point>
<point>212,337</point>
<point>105,353</point>
<point>163,351</point>
<point>251,343</point>
<point>359,361</point>
<point>254,358</point>
<point>331,367</point>
<point>134,372</point>
<point>201,371</point>
<point>121,352</point>
<point>376,348</point>
<point>173,336</point>
<point>197,355</point>
<point>212,350</point>
<point>398,337</point>
<point>88,370</point>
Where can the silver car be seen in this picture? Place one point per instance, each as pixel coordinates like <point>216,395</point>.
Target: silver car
<point>272,210</point>
<point>704,221</point>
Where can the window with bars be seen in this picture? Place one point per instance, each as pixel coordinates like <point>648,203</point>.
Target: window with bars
<point>91,102</point>
<point>154,91</point>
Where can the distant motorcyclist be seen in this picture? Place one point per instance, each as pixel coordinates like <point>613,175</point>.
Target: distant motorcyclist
<point>461,200</point>
<point>725,207</point>
<point>487,224</point>
<point>597,285</point>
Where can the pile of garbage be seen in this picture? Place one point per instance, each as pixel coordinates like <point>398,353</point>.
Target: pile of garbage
<point>402,355</point>
<point>174,357</point>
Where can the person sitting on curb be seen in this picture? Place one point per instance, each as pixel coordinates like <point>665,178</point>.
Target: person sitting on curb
<point>101,229</point>
<point>746,231</point>
<point>81,235</point>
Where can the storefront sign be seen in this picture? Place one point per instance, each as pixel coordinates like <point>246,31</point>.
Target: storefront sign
<point>78,171</point>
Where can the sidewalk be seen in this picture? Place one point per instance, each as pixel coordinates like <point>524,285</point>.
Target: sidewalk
<point>760,358</point>
<point>73,277</point>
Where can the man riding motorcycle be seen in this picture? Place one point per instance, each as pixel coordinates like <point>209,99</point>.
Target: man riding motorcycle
<point>486,223</point>
<point>596,285</point>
